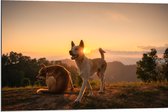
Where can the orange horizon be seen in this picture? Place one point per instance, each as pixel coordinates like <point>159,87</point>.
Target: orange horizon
<point>46,29</point>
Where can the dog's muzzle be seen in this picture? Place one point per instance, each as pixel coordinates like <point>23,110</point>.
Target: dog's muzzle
<point>70,52</point>
<point>73,55</point>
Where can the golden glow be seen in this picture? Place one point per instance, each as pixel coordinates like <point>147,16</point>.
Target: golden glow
<point>86,50</point>
<point>46,29</point>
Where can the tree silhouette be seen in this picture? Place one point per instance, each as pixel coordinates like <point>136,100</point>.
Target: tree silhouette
<point>165,66</point>
<point>146,67</point>
<point>20,70</point>
<point>152,68</point>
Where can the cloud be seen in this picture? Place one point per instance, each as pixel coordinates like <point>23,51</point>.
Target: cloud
<point>160,49</point>
<point>124,52</point>
<point>126,57</point>
<point>112,52</point>
<point>115,15</point>
<point>118,16</point>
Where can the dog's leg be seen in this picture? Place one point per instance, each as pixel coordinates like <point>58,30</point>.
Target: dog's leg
<point>90,89</point>
<point>82,91</point>
<point>103,83</point>
<point>101,76</point>
<point>71,83</point>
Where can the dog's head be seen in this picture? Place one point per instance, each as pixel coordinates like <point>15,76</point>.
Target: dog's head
<point>42,73</point>
<point>76,51</point>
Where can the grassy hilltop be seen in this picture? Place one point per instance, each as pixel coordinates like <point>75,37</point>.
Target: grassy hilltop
<point>117,95</point>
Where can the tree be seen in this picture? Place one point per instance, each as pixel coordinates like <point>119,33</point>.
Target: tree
<point>165,66</point>
<point>165,55</point>
<point>146,67</point>
<point>5,63</point>
<point>20,70</point>
<point>26,82</point>
<point>43,61</point>
<point>16,67</point>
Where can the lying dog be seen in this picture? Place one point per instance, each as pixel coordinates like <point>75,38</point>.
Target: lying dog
<point>57,79</point>
<point>88,67</point>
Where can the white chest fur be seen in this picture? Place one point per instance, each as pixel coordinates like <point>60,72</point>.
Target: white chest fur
<point>51,83</point>
<point>84,68</point>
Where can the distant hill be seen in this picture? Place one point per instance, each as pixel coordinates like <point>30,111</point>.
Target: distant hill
<point>115,72</point>
<point>69,62</point>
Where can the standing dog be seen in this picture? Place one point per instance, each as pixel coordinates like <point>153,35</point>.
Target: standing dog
<point>57,78</point>
<point>88,67</point>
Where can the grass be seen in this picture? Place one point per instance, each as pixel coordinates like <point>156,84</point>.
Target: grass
<point>117,95</point>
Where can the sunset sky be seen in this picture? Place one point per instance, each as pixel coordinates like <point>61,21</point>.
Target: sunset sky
<point>46,29</point>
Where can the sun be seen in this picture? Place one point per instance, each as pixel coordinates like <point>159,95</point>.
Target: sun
<point>86,50</point>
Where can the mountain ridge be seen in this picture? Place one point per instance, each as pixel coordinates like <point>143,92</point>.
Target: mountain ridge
<point>116,71</point>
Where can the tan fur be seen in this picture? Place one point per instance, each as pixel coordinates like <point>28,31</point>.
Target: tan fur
<point>57,78</point>
<point>51,83</point>
<point>88,67</point>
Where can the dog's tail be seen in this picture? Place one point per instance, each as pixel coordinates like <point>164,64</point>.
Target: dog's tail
<point>102,52</point>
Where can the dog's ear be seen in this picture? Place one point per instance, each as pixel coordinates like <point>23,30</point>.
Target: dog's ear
<point>72,44</point>
<point>81,44</point>
<point>42,65</point>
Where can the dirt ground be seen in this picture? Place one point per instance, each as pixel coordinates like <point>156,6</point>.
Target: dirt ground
<point>125,95</point>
